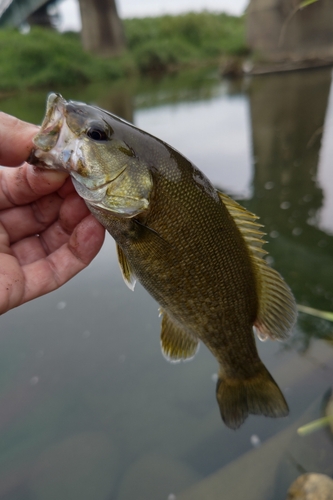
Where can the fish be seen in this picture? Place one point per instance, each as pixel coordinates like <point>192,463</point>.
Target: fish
<point>193,248</point>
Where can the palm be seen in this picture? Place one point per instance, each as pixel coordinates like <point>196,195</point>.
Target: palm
<point>46,234</point>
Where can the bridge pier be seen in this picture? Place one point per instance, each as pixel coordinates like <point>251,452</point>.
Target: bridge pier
<point>283,36</point>
<point>102,30</point>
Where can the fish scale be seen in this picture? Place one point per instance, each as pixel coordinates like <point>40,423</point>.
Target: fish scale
<point>194,249</point>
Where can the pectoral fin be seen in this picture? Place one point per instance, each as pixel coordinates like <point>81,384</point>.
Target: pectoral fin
<point>125,268</point>
<point>176,343</point>
<point>277,311</point>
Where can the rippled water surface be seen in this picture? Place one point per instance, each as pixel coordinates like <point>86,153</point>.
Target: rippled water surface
<point>89,408</point>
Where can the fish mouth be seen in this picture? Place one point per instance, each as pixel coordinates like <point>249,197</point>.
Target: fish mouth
<point>55,143</point>
<point>49,133</point>
<point>57,147</point>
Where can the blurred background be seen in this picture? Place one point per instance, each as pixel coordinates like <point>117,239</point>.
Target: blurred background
<point>89,408</point>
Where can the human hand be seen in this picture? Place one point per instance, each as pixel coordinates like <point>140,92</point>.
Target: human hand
<point>47,234</point>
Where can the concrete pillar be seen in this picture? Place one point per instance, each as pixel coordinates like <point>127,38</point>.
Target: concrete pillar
<point>281,34</point>
<point>102,30</point>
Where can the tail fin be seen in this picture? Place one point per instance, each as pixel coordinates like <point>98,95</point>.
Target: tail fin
<point>259,395</point>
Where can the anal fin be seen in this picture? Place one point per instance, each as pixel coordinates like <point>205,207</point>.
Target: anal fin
<point>176,343</point>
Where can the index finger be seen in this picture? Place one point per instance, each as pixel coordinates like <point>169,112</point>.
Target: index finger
<point>15,140</point>
<point>25,184</point>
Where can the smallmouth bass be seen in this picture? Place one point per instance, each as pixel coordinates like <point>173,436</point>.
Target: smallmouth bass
<point>194,249</point>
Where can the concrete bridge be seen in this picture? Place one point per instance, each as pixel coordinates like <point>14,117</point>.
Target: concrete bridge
<point>102,30</point>
<point>282,34</point>
<point>16,12</point>
<point>290,34</point>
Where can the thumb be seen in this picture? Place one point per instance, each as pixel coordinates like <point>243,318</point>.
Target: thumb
<point>15,140</point>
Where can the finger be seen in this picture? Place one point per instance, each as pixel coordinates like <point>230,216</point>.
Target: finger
<point>25,184</point>
<point>15,140</point>
<point>87,240</point>
<point>20,222</point>
<point>48,274</point>
<point>11,283</point>
<point>4,241</point>
<point>72,211</point>
<point>29,250</point>
<point>67,188</point>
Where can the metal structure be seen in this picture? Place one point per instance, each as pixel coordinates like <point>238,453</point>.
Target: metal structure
<point>102,30</point>
<point>16,12</point>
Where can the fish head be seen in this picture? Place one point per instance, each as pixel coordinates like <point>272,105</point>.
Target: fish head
<point>90,144</point>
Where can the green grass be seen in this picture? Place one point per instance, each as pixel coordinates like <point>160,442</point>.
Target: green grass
<point>44,58</point>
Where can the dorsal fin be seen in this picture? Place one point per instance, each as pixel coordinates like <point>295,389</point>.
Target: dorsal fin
<point>246,223</point>
<point>277,308</point>
<point>176,343</point>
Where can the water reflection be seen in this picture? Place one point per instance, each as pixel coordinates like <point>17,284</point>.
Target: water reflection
<point>325,174</point>
<point>288,113</point>
<point>88,406</point>
<point>214,135</point>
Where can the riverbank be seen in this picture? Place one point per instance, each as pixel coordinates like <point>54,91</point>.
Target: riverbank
<point>43,57</point>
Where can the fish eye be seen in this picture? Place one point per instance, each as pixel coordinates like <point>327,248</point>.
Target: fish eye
<point>97,133</point>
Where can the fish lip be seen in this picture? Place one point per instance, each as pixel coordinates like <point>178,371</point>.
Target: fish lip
<point>55,102</point>
<point>55,112</point>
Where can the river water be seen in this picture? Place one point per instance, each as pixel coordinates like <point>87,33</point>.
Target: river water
<point>89,408</point>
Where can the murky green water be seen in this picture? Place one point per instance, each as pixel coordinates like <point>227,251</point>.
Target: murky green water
<point>89,408</point>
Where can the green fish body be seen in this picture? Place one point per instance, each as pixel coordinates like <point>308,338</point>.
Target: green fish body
<point>194,249</point>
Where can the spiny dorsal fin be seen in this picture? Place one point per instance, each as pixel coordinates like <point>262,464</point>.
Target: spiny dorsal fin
<point>277,308</point>
<point>125,268</point>
<point>246,223</point>
<point>176,344</point>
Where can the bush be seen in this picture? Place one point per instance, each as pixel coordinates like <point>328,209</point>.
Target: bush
<point>197,35</point>
<point>159,55</point>
<point>46,58</point>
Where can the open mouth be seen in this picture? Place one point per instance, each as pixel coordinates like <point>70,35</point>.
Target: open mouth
<point>56,146</point>
<point>49,133</point>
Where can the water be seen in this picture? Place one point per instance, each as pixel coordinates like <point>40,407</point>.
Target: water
<point>89,408</point>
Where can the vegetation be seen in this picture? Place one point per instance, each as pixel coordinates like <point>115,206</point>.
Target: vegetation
<point>170,41</point>
<point>43,57</point>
